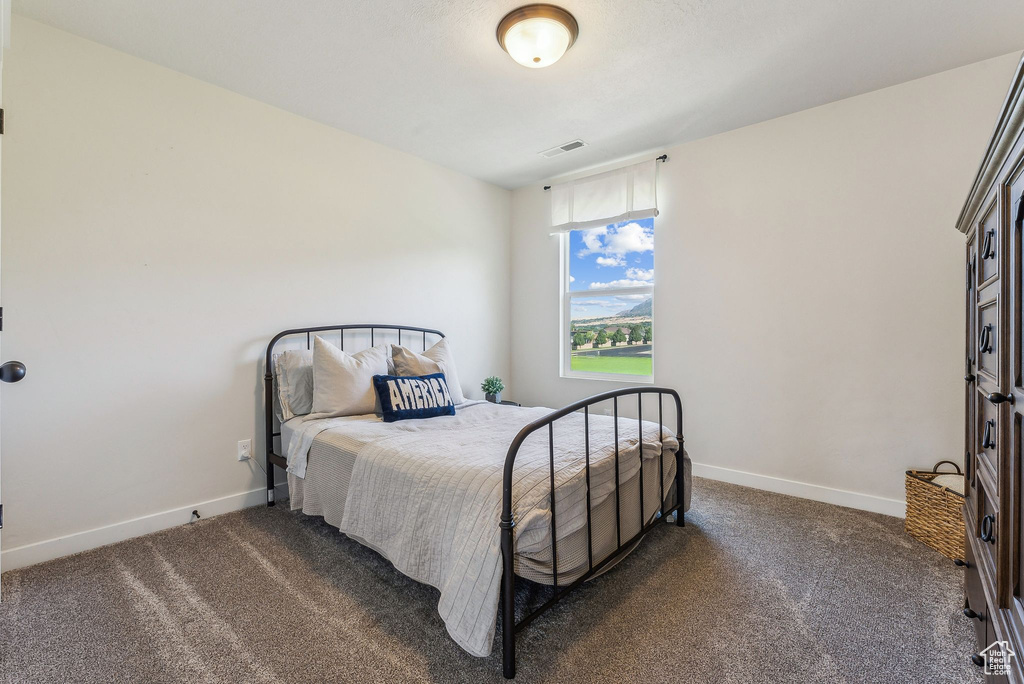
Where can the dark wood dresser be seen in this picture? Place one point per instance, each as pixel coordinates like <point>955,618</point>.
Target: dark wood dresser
<point>992,220</point>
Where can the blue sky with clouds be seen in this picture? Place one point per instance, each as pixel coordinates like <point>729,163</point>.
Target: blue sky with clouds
<point>621,255</point>
<point>615,256</point>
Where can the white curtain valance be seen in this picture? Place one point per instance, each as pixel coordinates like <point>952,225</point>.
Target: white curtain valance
<point>620,195</point>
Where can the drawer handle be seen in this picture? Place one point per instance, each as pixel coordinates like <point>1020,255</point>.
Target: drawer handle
<point>986,528</point>
<point>969,378</point>
<point>977,660</point>
<point>985,339</point>
<point>986,248</point>
<point>961,563</point>
<point>999,398</point>
<point>986,439</point>
<point>967,473</point>
<point>974,616</point>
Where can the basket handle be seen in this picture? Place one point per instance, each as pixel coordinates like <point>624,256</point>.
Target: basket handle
<point>935,468</point>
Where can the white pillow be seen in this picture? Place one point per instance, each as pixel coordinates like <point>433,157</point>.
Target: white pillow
<point>437,359</point>
<point>293,371</point>
<point>343,383</point>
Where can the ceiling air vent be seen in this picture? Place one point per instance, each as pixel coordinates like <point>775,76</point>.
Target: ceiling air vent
<point>562,149</point>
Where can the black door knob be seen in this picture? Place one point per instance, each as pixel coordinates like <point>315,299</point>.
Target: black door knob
<point>961,563</point>
<point>999,398</point>
<point>972,615</point>
<point>12,371</point>
<point>977,660</point>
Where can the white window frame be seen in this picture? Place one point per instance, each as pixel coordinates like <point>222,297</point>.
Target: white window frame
<point>565,316</point>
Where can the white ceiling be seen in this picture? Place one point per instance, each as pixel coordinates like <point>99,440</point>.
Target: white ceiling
<point>428,77</point>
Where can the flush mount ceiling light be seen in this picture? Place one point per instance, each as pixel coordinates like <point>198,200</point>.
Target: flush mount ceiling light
<point>537,35</point>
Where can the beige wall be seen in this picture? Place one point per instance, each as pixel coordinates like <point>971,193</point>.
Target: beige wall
<point>808,292</point>
<point>157,231</point>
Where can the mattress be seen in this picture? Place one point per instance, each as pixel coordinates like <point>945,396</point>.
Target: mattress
<point>426,494</point>
<point>332,455</point>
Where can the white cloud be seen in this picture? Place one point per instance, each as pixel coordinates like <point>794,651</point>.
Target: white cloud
<point>610,261</point>
<point>571,279</point>
<point>630,238</point>
<point>586,306</point>
<point>592,241</point>
<point>619,283</point>
<point>597,306</point>
<point>617,242</point>
<point>640,273</point>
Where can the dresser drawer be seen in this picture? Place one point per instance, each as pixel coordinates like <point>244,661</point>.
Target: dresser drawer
<point>992,636</point>
<point>986,340</point>
<point>985,527</point>
<point>988,245</point>
<point>986,433</point>
<point>976,609</point>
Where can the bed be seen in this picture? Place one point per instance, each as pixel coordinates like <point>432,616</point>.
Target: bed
<point>464,502</point>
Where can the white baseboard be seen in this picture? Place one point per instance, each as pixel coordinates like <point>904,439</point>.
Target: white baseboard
<point>38,552</point>
<point>804,490</point>
<point>30,554</point>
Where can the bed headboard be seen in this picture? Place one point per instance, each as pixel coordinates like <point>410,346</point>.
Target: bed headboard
<point>375,330</point>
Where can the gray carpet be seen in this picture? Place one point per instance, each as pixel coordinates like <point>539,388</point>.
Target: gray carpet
<point>758,587</point>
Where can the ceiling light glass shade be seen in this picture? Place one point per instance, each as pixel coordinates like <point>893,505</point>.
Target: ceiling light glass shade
<point>537,35</point>
<point>537,42</point>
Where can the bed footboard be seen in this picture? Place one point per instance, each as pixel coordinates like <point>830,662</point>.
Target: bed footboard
<point>507,524</point>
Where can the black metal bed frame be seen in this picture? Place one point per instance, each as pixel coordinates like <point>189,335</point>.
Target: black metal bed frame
<point>509,624</point>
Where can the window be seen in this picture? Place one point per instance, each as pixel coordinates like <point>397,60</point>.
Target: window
<point>607,301</point>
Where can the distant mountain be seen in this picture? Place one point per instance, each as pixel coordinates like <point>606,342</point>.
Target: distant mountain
<point>641,309</point>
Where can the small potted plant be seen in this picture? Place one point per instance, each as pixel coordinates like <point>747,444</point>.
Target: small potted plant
<point>492,387</point>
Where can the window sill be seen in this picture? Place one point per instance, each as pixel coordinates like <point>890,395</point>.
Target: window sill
<point>608,377</point>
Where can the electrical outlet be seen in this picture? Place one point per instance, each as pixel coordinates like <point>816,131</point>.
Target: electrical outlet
<point>244,449</point>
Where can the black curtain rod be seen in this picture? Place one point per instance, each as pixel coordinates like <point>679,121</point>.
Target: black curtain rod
<point>662,158</point>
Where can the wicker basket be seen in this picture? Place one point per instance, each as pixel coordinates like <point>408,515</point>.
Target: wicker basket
<point>935,513</point>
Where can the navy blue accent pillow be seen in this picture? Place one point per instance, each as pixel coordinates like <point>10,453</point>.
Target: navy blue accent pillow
<point>423,396</point>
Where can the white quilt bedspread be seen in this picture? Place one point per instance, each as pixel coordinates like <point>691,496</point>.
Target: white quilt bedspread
<point>297,436</point>
<point>427,495</point>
